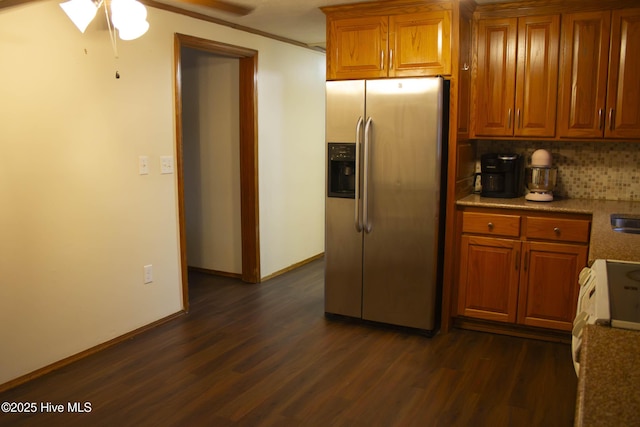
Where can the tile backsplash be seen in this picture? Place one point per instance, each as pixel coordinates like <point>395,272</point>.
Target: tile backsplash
<point>586,170</point>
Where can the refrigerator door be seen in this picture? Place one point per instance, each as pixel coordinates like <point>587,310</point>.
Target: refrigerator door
<point>403,197</point>
<point>343,243</point>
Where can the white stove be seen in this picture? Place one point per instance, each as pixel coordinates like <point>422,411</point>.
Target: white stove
<point>609,296</point>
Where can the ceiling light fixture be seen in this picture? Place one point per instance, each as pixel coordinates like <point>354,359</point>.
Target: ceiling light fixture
<point>129,17</point>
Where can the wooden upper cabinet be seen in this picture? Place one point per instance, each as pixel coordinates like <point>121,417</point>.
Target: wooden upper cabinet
<point>495,78</point>
<point>401,45</point>
<point>623,94</point>
<point>599,94</point>
<point>420,44</point>
<point>583,74</point>
<point>357,48</point>
<point>516,79</point>
<point>537,76</point>
<point>517,76</point>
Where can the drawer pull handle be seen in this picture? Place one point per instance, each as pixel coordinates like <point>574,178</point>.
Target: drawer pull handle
<point>490,226</point>
<point>556,230</point>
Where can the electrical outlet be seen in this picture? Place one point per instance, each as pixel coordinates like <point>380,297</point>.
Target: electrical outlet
<point>148,273</point>
<point>166,164</point>
<point>143,165</point>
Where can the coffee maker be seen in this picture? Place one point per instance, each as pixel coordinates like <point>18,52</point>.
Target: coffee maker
<point>502,175</point>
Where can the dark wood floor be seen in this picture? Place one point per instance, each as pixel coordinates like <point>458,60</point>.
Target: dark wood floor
<point>264,355</point>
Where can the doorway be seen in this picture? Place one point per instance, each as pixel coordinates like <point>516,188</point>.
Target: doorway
<point>248,153</point>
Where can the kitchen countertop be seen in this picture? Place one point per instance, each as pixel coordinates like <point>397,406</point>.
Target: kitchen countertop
<point>608,386</point>
<point>605,243</point>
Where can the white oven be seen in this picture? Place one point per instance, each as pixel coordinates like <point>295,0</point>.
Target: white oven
<point>609,296</point>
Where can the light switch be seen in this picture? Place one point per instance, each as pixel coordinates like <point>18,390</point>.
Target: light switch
<point>166,164</point>
<point>148,274</point>
<point>143,165</point>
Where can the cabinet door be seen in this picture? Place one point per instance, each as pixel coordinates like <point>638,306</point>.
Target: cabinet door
<point>495,80</point>
<point>549,284</point>
<point>357,47</point>
<point>583,74</point>
<point>537,76</point>
<point>489,278</point>
<point>464,79</point>
<point>623,95</point>
<point>420,44</point>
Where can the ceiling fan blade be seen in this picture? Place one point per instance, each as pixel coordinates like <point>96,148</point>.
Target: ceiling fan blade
<point>222,6</point>
<point>9,3</point>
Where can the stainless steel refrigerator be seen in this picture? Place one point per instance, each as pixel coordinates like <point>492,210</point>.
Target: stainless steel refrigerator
<point>384,201</point>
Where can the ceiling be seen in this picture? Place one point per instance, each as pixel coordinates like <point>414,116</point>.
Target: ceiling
<point>299,20</point>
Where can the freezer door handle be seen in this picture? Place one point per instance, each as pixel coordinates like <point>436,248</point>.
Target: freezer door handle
<point>358,218</point>
<point>365,171</point>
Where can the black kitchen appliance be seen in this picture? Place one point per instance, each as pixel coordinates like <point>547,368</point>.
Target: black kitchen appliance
<point>342,170</point>
<point>502,175</point>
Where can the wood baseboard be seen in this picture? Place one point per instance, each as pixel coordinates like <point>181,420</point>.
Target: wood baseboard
<point>216,272</point>
<point>68,360</point>
<point>512,330</point>
<point>292,267</point>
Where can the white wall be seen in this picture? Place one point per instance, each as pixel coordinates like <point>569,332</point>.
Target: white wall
<point>291,176</point>
<point>211,153</point>
<point>77,221</point>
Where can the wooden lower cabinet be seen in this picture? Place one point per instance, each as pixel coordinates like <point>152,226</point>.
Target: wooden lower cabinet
<point>489,278</point>
<point>521,269</point>
<point>548,285</point>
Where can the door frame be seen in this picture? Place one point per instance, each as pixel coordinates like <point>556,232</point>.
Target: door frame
<point>248,70</point>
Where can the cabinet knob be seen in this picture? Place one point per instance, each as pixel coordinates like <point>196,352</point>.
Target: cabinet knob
<point>556,230</point>
<point>490,226</point>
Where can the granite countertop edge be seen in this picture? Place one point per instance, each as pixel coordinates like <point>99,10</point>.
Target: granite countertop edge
<point>604,243</point>
<point>607,386</point>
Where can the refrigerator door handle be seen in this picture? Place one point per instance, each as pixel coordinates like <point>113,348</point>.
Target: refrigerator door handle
<point>358,218</point>
<point>365,198</point>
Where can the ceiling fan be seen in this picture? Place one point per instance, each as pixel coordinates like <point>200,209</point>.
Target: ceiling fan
<point>221,5</point>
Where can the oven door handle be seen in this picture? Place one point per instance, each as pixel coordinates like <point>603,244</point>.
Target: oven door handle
<point>585,278</point>
<point>578,324</point>
<point>576,346</point>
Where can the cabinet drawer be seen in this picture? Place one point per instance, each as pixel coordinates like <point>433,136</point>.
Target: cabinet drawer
<point>491,224</point>
<point>566,230</point>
